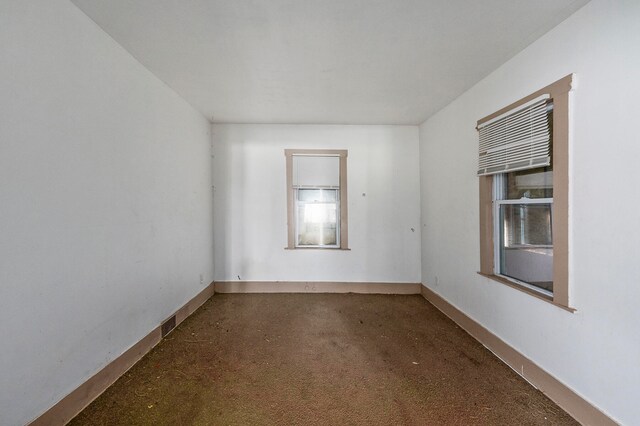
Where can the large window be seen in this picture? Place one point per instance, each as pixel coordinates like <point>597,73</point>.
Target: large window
<point>317,212</point>
<point>523,171</point>
<point>316,199</point>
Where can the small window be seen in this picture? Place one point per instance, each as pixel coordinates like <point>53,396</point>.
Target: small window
<point>316,199</point>
<point>523,169</point>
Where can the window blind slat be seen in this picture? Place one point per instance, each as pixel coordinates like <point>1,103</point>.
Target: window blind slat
<point>517,141</point>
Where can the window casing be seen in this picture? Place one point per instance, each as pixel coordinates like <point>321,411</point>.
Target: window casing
<point>317,199</point>
<point>549,207</point>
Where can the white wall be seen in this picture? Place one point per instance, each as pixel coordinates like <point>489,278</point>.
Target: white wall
<point>250,209</point>
<point>105,203</point>
<point>595,351</point>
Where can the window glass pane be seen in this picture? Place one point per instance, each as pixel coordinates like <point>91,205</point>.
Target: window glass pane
<point>317,224</point>
<point>527,224</point>
<point>533,183</point>
<point>526,243</point>
<point>318,195</point>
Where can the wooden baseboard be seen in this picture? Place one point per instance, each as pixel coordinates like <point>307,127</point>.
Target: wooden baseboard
<point>69,406</point>
<point>316,287</point>
<point>559,393</point>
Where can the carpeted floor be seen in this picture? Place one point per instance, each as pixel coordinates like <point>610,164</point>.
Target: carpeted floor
<point>320,359</point>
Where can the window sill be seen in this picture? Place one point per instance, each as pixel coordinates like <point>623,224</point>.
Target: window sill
<point>317,248</point>
<point>530,292</point>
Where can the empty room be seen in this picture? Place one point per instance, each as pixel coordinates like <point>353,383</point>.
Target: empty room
<point>319,212</point>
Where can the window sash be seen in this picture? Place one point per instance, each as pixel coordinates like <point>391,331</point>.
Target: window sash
<point>298,203</point>
<point>525,200</point>
<point>498,228</point>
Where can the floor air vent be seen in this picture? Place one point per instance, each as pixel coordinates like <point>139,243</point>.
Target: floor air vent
<point>168,325</point>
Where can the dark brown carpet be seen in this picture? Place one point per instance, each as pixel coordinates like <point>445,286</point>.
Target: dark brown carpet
<point>320,359</point>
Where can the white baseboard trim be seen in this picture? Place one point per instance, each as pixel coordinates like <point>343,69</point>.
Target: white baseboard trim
<point>579,408</point>
<point>316,287</point>
<point>69,406</point>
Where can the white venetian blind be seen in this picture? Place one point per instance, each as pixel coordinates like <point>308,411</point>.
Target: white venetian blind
<point>315,171</point>
<point>517,140</point>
